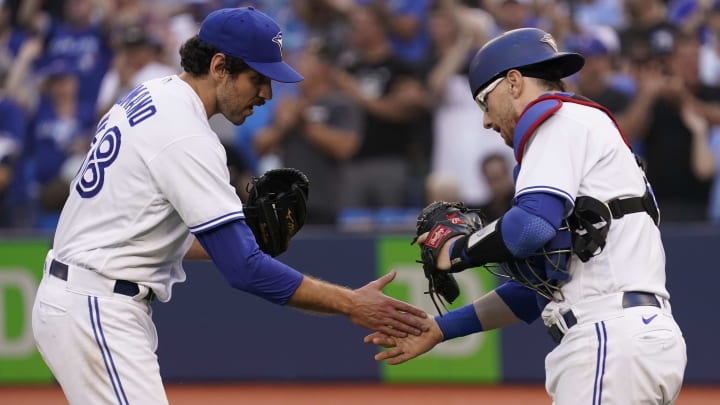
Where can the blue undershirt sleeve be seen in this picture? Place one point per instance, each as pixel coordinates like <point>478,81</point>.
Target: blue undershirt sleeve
<point>233,249</point>
<point>521,300</point>
<point>531,223</point>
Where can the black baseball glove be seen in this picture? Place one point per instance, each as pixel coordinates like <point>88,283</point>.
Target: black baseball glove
<point>277,207</point>
<point>443,220</point>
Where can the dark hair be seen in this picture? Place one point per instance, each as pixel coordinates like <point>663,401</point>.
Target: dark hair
<point>195,57</point>
<point>552,85</point>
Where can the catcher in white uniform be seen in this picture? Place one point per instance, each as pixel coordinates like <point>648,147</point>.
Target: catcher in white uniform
<point>156,175</point>
<point>580,244</point>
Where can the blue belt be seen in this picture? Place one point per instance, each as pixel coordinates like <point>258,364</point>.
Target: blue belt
<point>630,299</point>
<point>124,287</point>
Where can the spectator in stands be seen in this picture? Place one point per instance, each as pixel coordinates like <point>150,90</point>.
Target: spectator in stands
<point>12,138</point>
<point>512,14</point>
<point>393,100</point>
<point>496,171</point>
<point>81,38</point>
<point>551,16</point>
<point>460,142</point>
<point>59,135</point>
<point>647,35</point>
<point>136,60</point>
<point>673,128</point>
<point>710,48</point>
<point>12,118</point>
<point>406,23</point>
<point>11,38</point>
<point>591,13</point>
<point>441,187</point>
<point>317,131</point>
<point>595,80</point>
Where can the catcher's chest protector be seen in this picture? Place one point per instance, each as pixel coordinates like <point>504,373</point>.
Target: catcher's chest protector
<point>593,211</point>
<point>543,108</point>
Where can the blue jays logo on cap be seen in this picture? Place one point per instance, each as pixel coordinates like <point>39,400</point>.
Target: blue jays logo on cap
<point>278,39</point>
<point>548,39</point>
<point>252,36</point>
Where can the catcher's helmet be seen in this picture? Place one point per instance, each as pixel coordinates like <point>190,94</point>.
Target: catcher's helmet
<point>523,47</point>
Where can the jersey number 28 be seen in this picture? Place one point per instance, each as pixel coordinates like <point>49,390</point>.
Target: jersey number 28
<point>103,152</point>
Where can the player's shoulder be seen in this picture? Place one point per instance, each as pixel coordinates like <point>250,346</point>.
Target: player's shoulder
<point>177,104</point>
<point>170,90</point>
<point>162,112</point>
<point>583,115</point>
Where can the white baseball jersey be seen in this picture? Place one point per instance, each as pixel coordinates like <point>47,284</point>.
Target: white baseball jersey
<point>579,152</point>
<point>155,172</point>
<point>613,354</point>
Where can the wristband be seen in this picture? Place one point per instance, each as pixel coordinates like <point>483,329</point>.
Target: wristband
<point>459,322</point>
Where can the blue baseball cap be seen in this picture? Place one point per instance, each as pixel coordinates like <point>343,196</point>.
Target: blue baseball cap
<point>252,36</point>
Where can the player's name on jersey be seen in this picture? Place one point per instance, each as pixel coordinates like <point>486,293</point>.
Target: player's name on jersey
<point>138,105</point>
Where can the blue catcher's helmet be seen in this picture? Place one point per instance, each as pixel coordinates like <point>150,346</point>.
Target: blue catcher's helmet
<point>521,48</point>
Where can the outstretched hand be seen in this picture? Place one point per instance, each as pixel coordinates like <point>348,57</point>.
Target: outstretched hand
<point>400,350</point>
<point>376,311</point>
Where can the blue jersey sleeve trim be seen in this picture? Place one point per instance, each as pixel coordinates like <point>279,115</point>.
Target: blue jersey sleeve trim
<point>521,300</point>
<point>205,226</point>
<point>235,252</point>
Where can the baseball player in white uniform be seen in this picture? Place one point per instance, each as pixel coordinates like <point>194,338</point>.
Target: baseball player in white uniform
<point>606,304</point>
<point>154,189</point>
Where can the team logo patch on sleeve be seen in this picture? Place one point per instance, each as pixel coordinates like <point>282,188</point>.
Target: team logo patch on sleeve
<point>437,235</point>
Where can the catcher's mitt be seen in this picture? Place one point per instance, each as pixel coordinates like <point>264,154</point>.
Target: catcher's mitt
<point>277,207</point>
<point>443,220</point>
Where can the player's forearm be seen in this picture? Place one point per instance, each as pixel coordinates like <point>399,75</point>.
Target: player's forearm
<point>634,119</point>
<point>701,157</point>
<point>493,312</point>
<point>389,108</point>
<point>318,296</point>
<point>339,143</point>
<point>485,313</point>
<point>451,62</point>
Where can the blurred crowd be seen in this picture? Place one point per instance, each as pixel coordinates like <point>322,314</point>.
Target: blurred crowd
<point>384,121</point>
